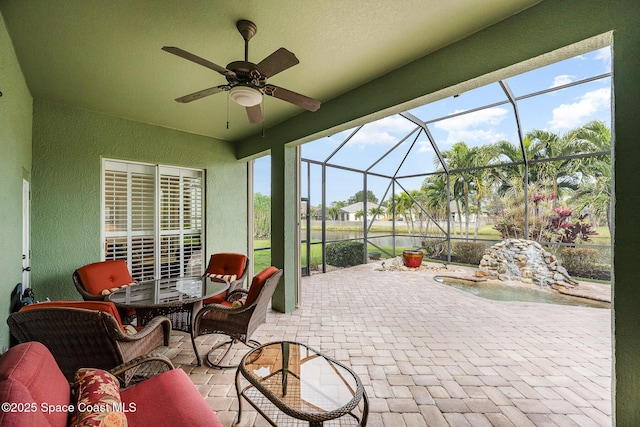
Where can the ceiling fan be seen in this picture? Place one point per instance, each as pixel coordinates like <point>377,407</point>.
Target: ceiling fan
<point>246,81</point>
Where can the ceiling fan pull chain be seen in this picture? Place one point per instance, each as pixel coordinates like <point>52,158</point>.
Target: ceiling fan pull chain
<point>263,115</point>
<point>227,111</point>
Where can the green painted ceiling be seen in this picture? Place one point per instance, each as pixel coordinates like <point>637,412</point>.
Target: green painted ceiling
<point>106,56</point>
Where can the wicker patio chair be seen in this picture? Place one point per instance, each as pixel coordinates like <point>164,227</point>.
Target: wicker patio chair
<point>227,267</point>
<point>92,279</point>
<point>238,316</point>
<point>79,337</point>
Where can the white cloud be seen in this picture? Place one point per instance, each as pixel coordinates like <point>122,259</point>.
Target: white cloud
<point>569,116</point>
<point>474,127</point>
<point>425,147</point>
<point>387,131</point>
<point>604,55</point>
<point>562,79</point>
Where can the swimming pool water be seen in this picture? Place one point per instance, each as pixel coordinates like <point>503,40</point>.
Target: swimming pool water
<point>504,292</point>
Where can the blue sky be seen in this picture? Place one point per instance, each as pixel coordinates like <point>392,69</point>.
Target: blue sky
<point>557,112</point>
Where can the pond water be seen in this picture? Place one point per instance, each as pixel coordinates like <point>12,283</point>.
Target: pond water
<point>504,292</point>
<point>383,240</point>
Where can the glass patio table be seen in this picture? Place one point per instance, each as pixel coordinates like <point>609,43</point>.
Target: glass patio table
<point>178,298</point>
<point>291,383</point>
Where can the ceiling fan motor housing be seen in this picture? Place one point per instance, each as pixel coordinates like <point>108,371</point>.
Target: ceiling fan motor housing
<point>246,74</point>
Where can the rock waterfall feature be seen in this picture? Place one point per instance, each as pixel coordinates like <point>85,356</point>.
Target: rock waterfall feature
<point>526,261</point>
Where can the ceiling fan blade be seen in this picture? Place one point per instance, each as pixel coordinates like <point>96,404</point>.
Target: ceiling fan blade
<point>292,97</point>
<point>278,61</point>
<point>200,94</point>
<point>194,58</point>
<point>255,114</point>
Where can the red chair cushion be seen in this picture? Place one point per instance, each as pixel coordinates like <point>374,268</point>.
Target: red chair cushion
<point>104,275</point>
<point>227,263</point>
<point>258,282</point>
<point>32,365</point>
<point>168,399</point>
<point>106,306</point>
<point>218,299</point>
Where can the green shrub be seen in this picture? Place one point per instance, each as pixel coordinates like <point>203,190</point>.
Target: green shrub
<point>468,252</point>
<point>580,261</point>
<point>434,247</point>
<point>345,254</point>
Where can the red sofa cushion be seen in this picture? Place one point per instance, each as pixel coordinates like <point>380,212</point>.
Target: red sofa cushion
<point>32,365</point>
<point>258,282</point>
<point>23,410</point>
<point>106,306</point>
<point>103,275</point>
<point>167,399</point>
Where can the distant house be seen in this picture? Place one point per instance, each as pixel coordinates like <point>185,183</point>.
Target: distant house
<point>348,213</point>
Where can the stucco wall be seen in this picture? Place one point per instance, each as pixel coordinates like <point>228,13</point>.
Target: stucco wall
<point>15,163</point>
<point>69,145</point>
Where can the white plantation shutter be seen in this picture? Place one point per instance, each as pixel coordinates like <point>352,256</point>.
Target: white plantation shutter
<point>153,218</point>
<point>180,219</point>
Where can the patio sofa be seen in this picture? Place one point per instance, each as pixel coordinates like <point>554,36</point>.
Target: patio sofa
<point>34,392</point>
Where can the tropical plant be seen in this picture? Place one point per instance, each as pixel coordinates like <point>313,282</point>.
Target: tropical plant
<point>434,189</point>
<point>334,210</point>
<point>469,252</point>
<point>261,216</point>
<point>376,212</point>
<point>460,158</point>
<point>594,196</point>
<point>401,204</point>
<point>562,172</point>
<point>481,178</point>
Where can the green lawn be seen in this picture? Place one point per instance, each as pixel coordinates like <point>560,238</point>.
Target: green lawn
<point>262,259</point>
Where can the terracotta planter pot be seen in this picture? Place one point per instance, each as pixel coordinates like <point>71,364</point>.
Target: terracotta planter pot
<point>412,259</point>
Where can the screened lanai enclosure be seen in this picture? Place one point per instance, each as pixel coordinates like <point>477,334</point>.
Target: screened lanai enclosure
<point>527,157</point>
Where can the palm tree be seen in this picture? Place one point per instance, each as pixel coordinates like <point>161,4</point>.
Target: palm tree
<point>334,210</point>
<point>561,173</point>
<point>434,197</point>
<point>460,158</point>
<point>481,178</point>
<point>595,195</point>
<point>596,190</point>
<point>376,212</point>
<point>434,189</point>
<point>508,176</point>
<point>403,204</point>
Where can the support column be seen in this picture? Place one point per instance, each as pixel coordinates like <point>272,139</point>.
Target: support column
<point>284,219</point>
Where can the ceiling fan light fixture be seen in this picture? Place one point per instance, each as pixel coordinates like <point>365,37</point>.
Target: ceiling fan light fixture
<point>245,95</point>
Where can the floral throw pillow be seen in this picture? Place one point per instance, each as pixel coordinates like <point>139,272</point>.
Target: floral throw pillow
<point>98,401</point>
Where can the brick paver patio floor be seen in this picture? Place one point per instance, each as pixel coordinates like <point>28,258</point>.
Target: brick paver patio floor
<point>431,355</point>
